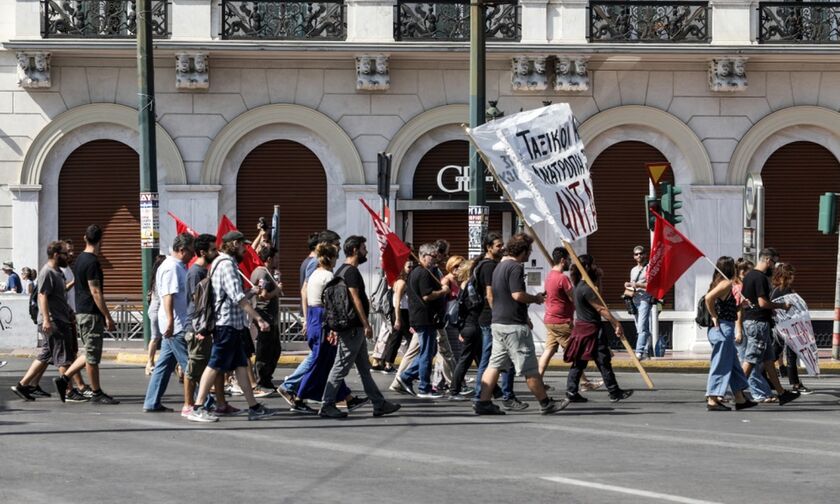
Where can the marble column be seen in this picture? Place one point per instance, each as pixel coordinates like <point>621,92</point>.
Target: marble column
<point>26,242</point>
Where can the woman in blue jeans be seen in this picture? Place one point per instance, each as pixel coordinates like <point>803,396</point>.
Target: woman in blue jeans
<point>725,370</point>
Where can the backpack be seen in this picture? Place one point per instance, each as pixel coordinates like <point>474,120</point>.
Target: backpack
<point>703,318</point>
<point>204,300</point>
<point>33,305</point>
<point>382,297</point>
<point>339,312</point>
<point>471,296</point>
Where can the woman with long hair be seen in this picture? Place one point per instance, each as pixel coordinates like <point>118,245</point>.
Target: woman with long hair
<point>588,341</point>
<point>724,370</point>
<point>470,336</point>
<point>401,330</point>
<point>782,281</point>
<point>154,305</point>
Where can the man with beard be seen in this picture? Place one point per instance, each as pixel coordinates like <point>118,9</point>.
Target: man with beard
<point>55,322</point>
<point>352,348</point>
<point>757,319</point>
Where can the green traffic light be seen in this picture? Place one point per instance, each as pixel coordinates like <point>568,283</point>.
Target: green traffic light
<point>670,204</point>
<point>827,219</point>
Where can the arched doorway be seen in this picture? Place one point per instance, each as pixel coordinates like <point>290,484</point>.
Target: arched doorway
<point>794,176</point>
<point>620,182</point>
<point>285,173</point>
<point>99,183</point>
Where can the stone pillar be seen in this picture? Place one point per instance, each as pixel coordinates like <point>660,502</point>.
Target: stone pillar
<point>196,205</point>
<point>26,246</point>
<point>732,22</point>
<point>360,14</point>
<point>534,21</point>
<point>568,21</point>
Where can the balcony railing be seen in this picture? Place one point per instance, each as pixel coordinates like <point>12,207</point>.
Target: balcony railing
<point>449,20</point>
<point>99,19</point>
<point>284,20</point>
<point>657,22</point>
<point>798,23</point>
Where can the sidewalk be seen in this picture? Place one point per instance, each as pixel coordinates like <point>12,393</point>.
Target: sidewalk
<point>132,352</point>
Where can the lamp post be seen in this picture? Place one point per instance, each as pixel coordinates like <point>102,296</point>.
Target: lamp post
<point>149,202</point>
<point>478,211</point>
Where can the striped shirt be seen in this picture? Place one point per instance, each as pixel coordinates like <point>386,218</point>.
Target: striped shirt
<point>228,289</point>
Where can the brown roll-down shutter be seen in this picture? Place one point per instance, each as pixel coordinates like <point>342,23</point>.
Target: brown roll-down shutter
<point>285,173</point>
<point>620,182</point>
<point>794,177</point>
<point>100,184</point>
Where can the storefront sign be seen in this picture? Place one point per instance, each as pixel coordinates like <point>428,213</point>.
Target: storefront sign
<point>795,326</point>
<point>538,157</point>
<point>149,220</point>
<point>479,220</point>
<point>461,181</point>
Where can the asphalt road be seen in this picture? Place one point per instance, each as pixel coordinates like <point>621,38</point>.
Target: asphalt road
<point>658,446</point>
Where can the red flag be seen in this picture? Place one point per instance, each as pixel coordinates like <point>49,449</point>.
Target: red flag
<point>670,256</point>
<point>182,227</point>
<point>393,251</point>
<point>250,260</point>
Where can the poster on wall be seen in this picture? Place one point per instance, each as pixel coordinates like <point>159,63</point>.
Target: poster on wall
<point>795,327</point>
<point>538,157</point>
<point>149,220</point>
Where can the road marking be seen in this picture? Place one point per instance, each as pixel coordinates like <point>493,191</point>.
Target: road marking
<point>626,490</point>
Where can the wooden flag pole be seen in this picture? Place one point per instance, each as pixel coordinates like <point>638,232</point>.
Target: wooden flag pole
<point>579,266</point>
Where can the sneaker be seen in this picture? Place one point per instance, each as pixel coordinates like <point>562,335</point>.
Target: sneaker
<point>429,395</point>
<point>226,410</point>
<point>3,363</point>
<point>61,387</point>
<point>23,392</point>
<point>641,356</point>
<point>514,404</point>
<point>788,396</point>
<point>400,387</point>
<point>87,391</point>
<point>576,398</point>
<point>589,386</point>
<point>286,395</point>
<point>487,408</point>
<point>37,391</point>
<point>389,370</point>
<point>378,368</point>
<point>621,395</point>
<point>76,397</point>
<point>202,415</point>
<point>260,392</point>
<point>467,392</point>
<point>554,406</point>
<point>260,412</point>
<point>303,408</point>
<point>329,410</point>
<point>186,411</point>
<point>356,403</point>
<point>457,396</point>
<point>386,408</point>
<point>103,398</point>
<point>802,389</point>
<point>235,390</point>
<point>160,408</point>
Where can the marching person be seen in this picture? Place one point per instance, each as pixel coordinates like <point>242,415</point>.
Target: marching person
<point>268,346</point>
<point>13,283</point>
<point>154,308</point>
<point>513,344</point>
<point>588,341</point>
<point>642,300</point>
<point>724,370</point>
<point>402,330</point>
<point>783,275</point>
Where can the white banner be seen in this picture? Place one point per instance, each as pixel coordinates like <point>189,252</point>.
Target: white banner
<point>538,157</point>
<point>795,326</point>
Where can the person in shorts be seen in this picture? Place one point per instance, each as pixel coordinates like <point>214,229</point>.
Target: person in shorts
<point>513,344</point>
<point>56,336</point>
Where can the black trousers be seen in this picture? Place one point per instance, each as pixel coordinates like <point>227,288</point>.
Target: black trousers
<point>603,359</point>
<point>392,346</point>
<point>470,352</point>
<point>268,351</point>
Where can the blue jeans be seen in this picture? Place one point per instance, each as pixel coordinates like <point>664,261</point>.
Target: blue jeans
<point>421,368</point>
<point>506,377</point>
<point>643,304</point>
<point>292,382</point>
<point>759,388</point>
<point>725,369</point>
<point>172,351</point>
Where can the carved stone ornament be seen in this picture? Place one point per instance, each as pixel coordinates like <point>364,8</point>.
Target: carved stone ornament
<point>529,74</point>
<point>373,73</point>
<point>192,71</point>
<point>728,74</point>
<point>570,74</point>
<point>33,70</point>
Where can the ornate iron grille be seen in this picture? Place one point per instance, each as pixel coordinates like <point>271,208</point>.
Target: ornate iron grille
<point>660,22</point>
<point>284,20</point>
<point>449,20</point>
<point>99,19</point>
<point>798,23</point>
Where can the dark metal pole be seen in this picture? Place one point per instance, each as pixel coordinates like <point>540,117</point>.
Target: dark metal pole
<point>149,202</point>
<point>478,211</point>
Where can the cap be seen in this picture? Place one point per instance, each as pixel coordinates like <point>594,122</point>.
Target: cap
<point>233,236</point>
<point>8,265</point>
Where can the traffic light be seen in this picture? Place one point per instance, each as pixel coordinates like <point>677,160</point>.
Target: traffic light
<point>670,204</point>
<point>651,205</point>
<point>383,176</point>
<point>827,222</point>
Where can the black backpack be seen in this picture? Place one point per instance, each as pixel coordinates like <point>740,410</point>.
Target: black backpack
<point>33,304</point>
<point>339,312</point>
<point>204,300</point>
<point>382,298</point>
<point>703,318</point>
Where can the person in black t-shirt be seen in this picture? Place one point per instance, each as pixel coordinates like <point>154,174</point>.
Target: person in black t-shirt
<point>758,319</point>
<point>352,347</point>
<point>513,344</point>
